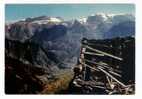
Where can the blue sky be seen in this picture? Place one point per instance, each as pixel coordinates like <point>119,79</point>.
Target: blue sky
<point>67,11</point>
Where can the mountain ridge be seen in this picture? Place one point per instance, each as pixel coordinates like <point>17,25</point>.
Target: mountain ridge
<point>63,38</point>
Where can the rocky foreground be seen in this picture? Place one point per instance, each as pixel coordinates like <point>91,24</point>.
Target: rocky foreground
<point>30,70</point>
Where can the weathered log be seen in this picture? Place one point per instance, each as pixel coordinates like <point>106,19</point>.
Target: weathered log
<point>98,64</point>
<point>112,77</point>
<point>91,53</point>
<point>107,54</point>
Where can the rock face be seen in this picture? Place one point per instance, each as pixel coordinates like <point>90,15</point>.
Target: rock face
<point>28,67</point>
<point>29,52</point>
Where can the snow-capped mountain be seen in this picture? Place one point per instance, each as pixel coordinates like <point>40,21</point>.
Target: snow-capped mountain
<point>44,18</point>
<point>63,37</point>
<point>93,26</point>
<point>48,20</point>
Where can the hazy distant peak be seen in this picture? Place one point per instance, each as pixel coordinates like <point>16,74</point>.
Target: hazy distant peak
<point>82,20</point>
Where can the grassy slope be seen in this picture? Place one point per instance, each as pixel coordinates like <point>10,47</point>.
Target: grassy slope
<point>60,84</point>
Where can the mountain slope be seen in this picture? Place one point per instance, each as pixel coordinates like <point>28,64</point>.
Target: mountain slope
<point>62,38</point>
<point>122,29</point>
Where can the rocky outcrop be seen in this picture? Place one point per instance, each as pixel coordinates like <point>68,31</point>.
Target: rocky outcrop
<point>27,67</point>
